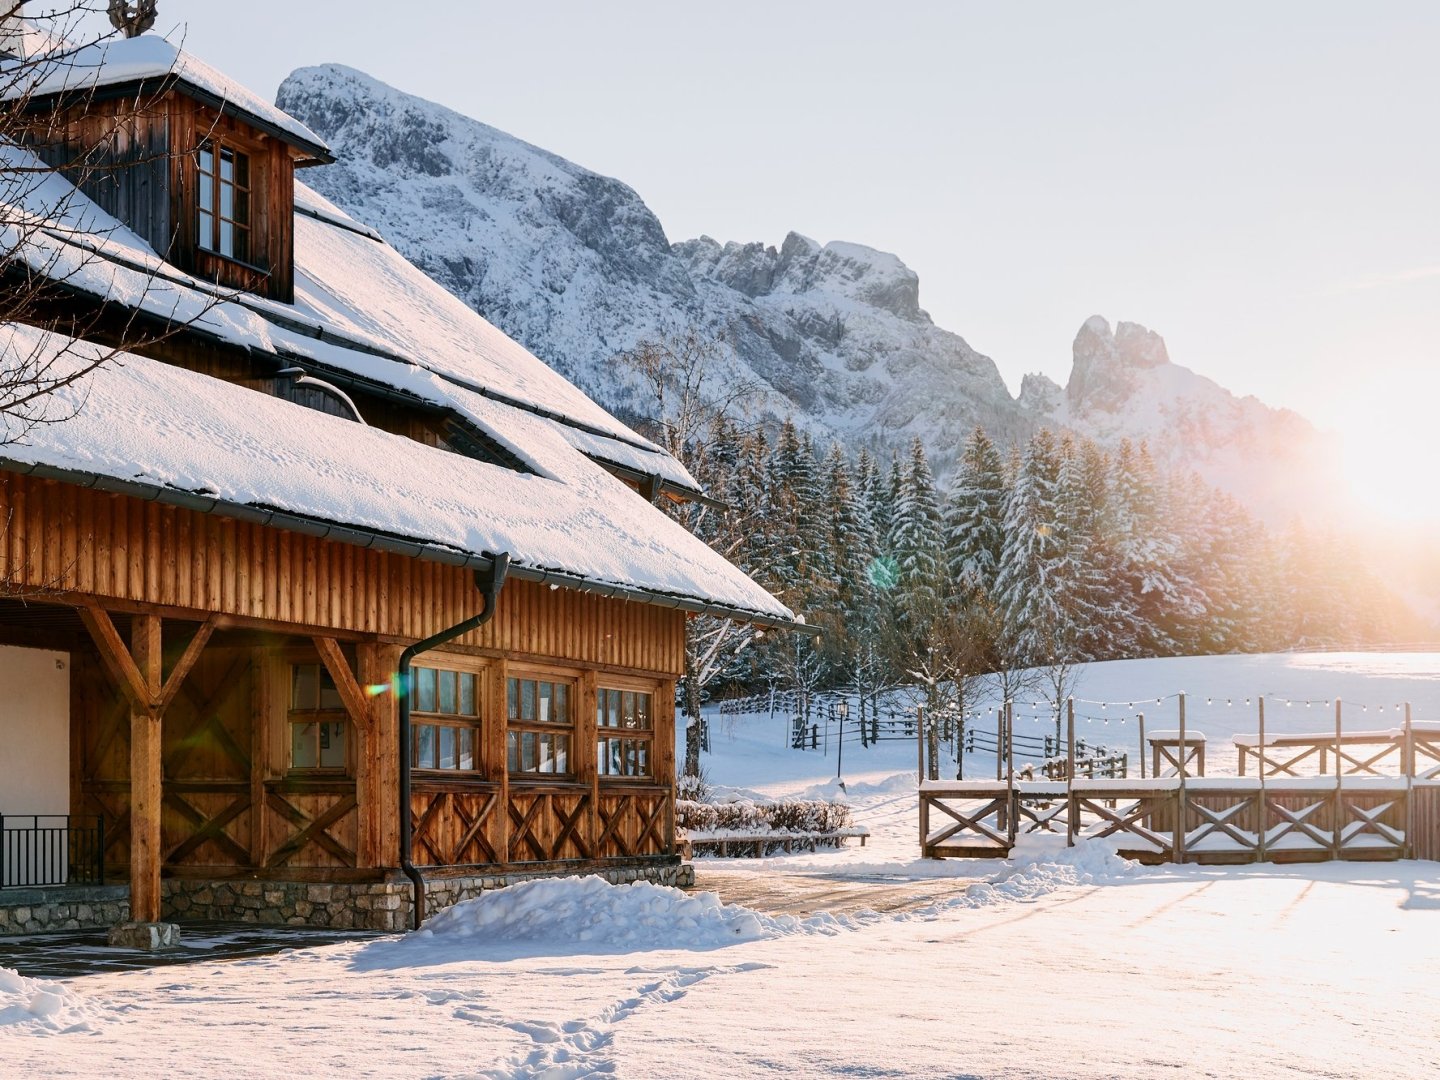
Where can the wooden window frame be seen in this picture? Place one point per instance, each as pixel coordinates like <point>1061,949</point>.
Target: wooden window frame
<point>454,721</point>
<point>641,736</point>
<point>296,715</point>
<point>216,148</point>
<point>517,728</point>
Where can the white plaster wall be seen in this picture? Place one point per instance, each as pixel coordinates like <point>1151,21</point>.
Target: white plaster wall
<point>34,731</point>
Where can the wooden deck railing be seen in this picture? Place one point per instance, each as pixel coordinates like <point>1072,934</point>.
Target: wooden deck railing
<point>1356,811</point>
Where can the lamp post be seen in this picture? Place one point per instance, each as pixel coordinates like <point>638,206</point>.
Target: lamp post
<point>842,710</point>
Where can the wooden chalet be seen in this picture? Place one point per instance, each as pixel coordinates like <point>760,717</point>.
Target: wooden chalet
<point>308,458</point>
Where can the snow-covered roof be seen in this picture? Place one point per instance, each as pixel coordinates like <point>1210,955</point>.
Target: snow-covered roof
<point>143,424</point>
<point>121,61</point>
<point>360,308</point>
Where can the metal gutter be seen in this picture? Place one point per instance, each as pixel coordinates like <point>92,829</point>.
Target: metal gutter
<point>489,583</point>
<point>149,491</point>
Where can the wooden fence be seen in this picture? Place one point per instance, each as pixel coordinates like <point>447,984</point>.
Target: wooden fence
<point>1356,812</point>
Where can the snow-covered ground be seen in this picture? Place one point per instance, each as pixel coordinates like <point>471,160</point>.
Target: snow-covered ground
<point>1059,963</point>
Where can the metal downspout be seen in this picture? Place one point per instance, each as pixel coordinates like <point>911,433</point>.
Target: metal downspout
<point>490,582</point>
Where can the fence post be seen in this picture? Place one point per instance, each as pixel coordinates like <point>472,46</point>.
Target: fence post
<point>1339,837</point>
<point>1264,831</point>
<point>1409,755</point>
<point>1070,769</point>
<point>1181,804</point>
<point>920,750</point>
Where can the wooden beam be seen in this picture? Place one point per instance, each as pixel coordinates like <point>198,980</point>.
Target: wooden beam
<point>117,658</point>
<point>146,771</point>
<point>351,694</point>
<point>184,665</point>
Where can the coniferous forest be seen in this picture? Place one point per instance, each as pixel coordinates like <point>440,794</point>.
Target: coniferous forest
<point>1042,555</point>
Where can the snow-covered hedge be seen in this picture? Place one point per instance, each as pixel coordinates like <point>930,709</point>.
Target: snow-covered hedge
<point>784,816</point>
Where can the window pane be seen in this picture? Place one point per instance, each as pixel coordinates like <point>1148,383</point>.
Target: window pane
<point>546,700</point>
<point>207,193</point>
<point>332,744</point>
<point>467,748</point>
<point>562,703</point>
<point>242,170</point>
<point>562,754</point>
<point>304,685</point>
<point>242,208</point>
<point>242,244</point>
<point>642,711</point>
<point>512,751</point>
<point>227,164</point>
<point>447,748</point>
<point>207,161</point>
<point>329,696</point>
<point>227,201</point>
<point>447,693</point>
<point>424,689</point>
<point>207,231</point>
<point>425,746</point>
<point>643,759</point>
<point>529,751</point>
<point>302,746</point>
<point>467,694</point>
<point>227,238</point>
<point>527,699</point>
<point>512,696</point>
<point>627,709</point>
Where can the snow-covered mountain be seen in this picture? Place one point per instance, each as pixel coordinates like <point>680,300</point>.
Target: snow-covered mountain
<point>578,268</point>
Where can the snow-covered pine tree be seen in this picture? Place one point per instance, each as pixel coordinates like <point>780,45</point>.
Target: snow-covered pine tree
<point>975,518</point>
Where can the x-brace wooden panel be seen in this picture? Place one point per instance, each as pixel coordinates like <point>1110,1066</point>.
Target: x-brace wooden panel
<point>570,828</point>
<point>1222,822</point>
<point>1041,813</point>
<point>972,822</point>
<point>1299,821</point>
<point>1368,820</point>
<point>1125,819</point>
<point>208,829</point>
<point>473,827</point>
<point>312,830</point>
<point>522,833</point>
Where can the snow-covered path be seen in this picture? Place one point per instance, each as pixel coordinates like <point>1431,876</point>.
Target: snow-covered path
<point>1320,971</point>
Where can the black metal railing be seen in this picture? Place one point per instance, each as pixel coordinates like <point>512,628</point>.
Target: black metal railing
<point>51,849</point>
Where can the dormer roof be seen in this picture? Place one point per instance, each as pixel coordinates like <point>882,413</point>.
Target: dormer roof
<point>151,64</point>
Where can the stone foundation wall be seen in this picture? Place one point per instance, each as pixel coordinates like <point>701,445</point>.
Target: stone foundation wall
<point>33,911</point>
<point>381,905</point>
<point>384,905</point>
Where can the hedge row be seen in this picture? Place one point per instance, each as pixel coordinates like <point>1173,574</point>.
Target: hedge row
<point>786,815</point>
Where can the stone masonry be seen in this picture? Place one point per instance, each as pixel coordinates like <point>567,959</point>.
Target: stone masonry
<point>33,911</point>
<point>381,905</point>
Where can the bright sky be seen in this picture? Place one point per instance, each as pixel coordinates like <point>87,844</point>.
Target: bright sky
<point>1257,182</point>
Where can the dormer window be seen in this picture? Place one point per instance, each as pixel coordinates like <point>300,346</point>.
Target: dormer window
<point>224,201</point>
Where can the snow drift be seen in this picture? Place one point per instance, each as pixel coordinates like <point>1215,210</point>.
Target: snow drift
<point>40,1007</point>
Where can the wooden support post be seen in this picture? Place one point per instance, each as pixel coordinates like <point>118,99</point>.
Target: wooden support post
<point>665,752</point>
<point>146,775</point>
<point>586,767</point>
<point>1338,839</point>
<point>1141,718</point>
<point>1070,768</point>
<point>1407,754</point>
<point>1181,803</point>
<point>1264,825</point>
<point>919,745</point>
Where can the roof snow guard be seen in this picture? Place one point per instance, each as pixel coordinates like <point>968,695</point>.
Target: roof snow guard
<point>152,64</point>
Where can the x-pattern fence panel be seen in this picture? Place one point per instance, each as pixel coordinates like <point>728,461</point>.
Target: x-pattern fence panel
<point>1165,821</point>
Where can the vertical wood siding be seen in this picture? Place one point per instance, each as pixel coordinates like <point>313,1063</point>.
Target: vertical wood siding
<point>67,540</point>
